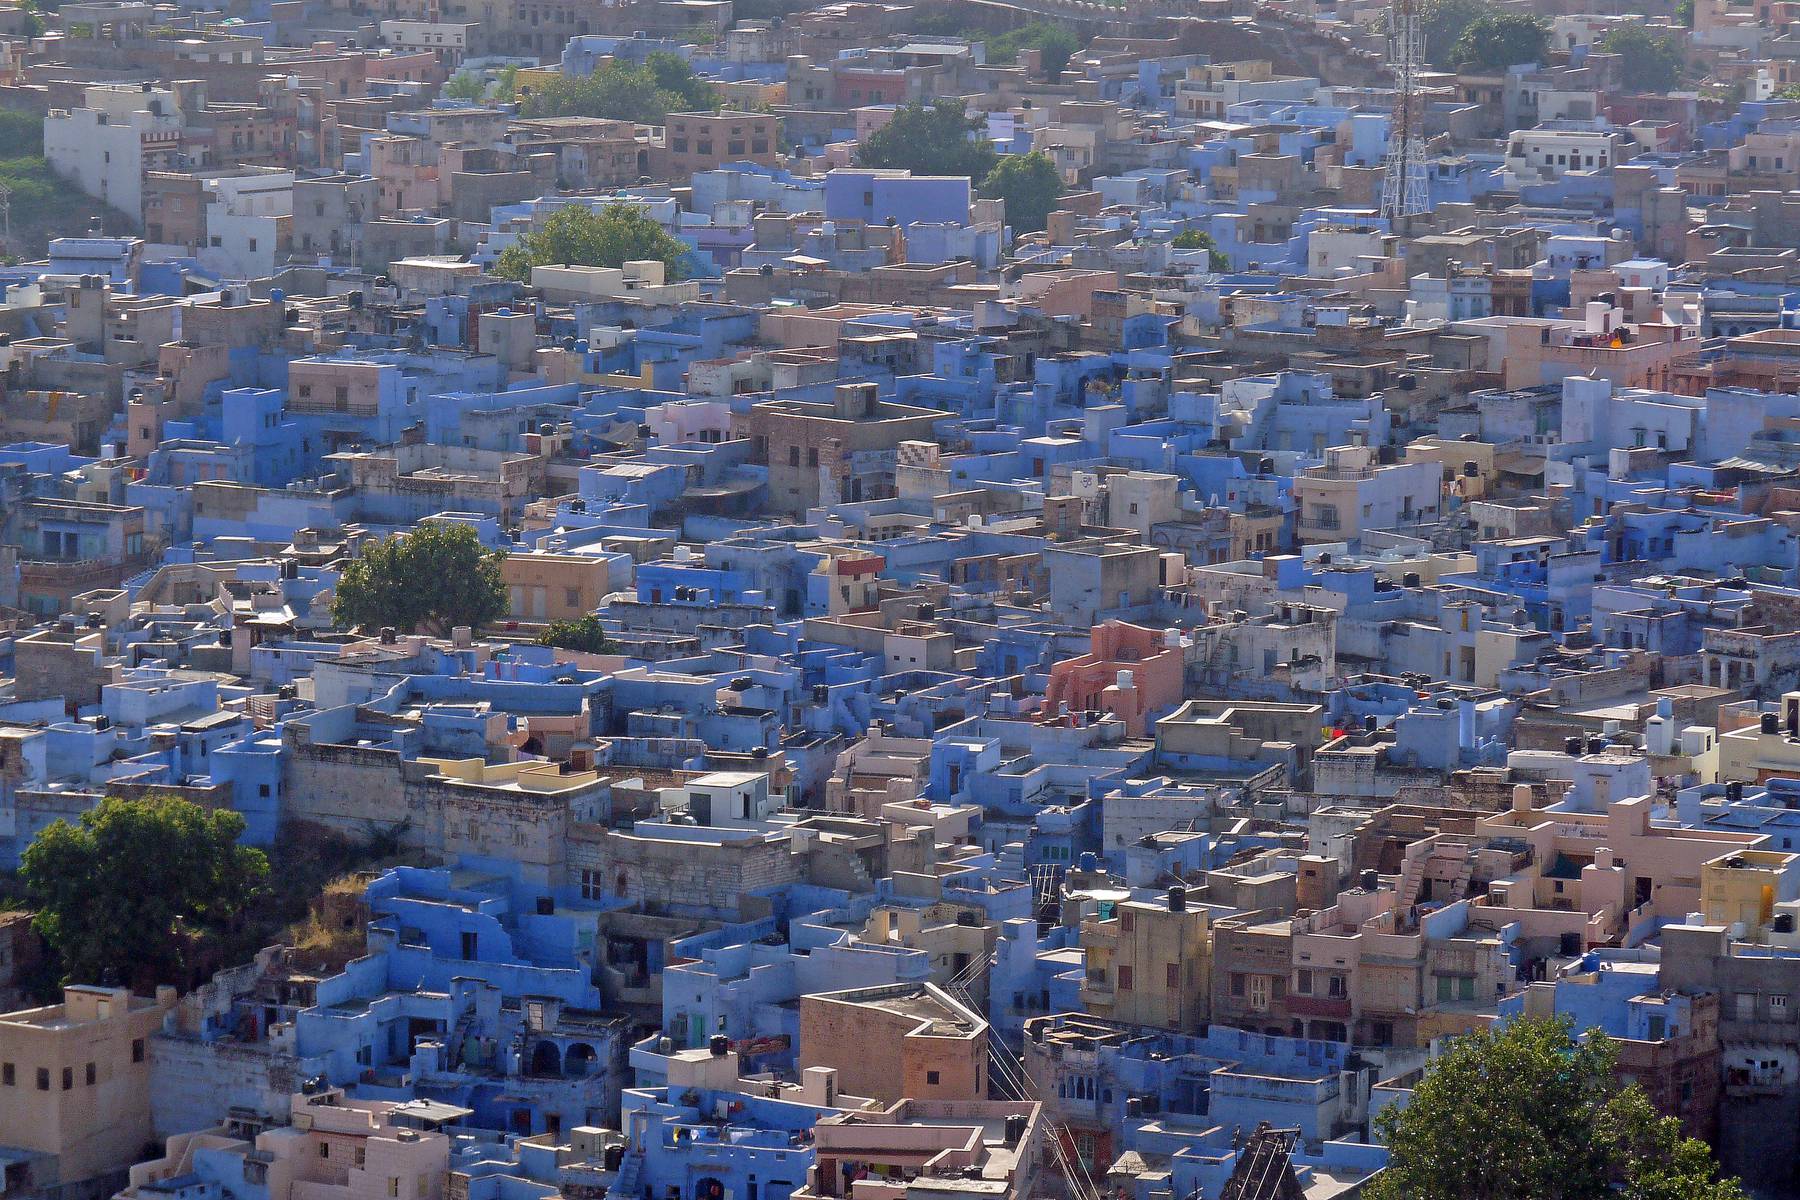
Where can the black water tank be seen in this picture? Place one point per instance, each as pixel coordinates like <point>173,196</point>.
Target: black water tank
<point>1410,579</point>
<point>720,1045</point>
<point>1771,722</point>
<point>1734,791</point>
<point>1572,746</point>
<point>1177,899</point>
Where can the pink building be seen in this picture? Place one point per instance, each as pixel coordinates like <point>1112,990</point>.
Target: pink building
<point>1128,671</point>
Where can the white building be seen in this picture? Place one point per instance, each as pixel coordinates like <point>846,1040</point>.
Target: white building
<point>105,146</point>
<point>1543,155</point>
<point>249,222</point>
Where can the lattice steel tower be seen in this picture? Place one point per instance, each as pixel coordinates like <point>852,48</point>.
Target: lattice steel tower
<point>1404,187</point>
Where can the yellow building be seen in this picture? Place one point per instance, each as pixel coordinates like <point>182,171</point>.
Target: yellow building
<point>1744,886</point>
<point>1150,964</point>
<point>75,1089</point>
<point>543,586</point>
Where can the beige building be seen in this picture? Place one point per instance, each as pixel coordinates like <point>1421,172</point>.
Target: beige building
<point>895,1042</point>
<point>831,453</point>
<point>1150,964</point>
<point>333,1149</point>
<point>75,1091</point>
<point>554,587</point>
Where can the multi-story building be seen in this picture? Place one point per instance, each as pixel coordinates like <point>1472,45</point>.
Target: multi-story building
<point>75,1091</point>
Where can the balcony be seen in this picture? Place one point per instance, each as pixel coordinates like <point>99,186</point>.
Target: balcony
<point>76,574</point>
<point>1332,1007</point>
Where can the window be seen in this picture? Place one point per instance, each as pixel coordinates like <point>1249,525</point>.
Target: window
<point>393,1185</point>
<point>812,456</point>
<point>793,456</point>
<point>1173,975</point>
<point>1336,987</point>
<point>262,789</point>
<point>8,1076</point>
<point>931,1077</point>
<point>1124,979</point>
<point>1304,984</point>
<point>43,1079</point>
<point>1237,984</point>
<point>90,1075</point>
<point>591,886</point>
<point>1127,921</point>
<point>324,1149</point>
<point>361,1155</point>
<point>137,1050</point>
<point>1778,1007</point>
<point>1746,1006</point>
<point>68,1079</point>
<point>468,943</point>
<point>572,597</point>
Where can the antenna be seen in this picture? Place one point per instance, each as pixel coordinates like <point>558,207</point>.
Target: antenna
<point>1404,188</point>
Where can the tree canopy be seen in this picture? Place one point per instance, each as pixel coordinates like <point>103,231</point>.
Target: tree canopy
<point>1500,40</point>
<point>1199,239</point>
<point>437,577</point>
<point>1054,43</point>
<point>1653,61</point>
<point>577,236</point>
<point>585,634</point>
<point>138,889</point>
<point>935,139</point>
<point>1529,1112</point>
<point>1441,22</point>
<point>621,91</point>
<point>1029,184</point>
<point>465,85</point>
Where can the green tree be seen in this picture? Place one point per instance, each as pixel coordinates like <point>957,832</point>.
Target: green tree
<point>1199,239</point>
<point>676,78</point>
<point>465,85</point>
<point>622,91</point>
<point>139,890</point>
<point>930,140</point>
<point>437,577</point>
<point>577,236</point>
<point>1529,1112</point>
<point>21,134</point>
<point>1653,61</point>
<point>1441,22</point>
<point>615,92</point>
<point>1055,43</point>
<point>586,635</point>
<point>506,83</point>
<point>1500,40</point>
<point>1029,184</point>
